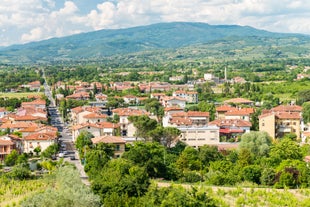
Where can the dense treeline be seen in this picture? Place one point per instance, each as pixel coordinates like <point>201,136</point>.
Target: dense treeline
<point>258,160</point>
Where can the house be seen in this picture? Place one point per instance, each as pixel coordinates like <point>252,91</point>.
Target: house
<point>170,101</point>
<point>3,112</point>
<point>96,129</point>
<point>79,96</point>
<point>35,85</point>
<point>130,99</point>
<point>190,118</point>
<point>117,141</point>
<point>6,147</point>
<point>94,118</point>
<point>127,128</point>
<point>221,110</point>
<point>199,136</point>
<point>78,113</point>
<point>242,113</point>
<point>12,127</point>
<point>37,104</point>
<point>277,124</point>
<point>189,96</point>
<point>41,140</point>
<point>158,96</point>
<point>232,128</point>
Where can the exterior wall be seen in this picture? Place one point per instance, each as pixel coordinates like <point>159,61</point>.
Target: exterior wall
<point>80,119</point>
<point>286,126</point>
<point>199,136</point>
<point>119,150</point>
<point>267,124</point>
<point>246,118</point>
<point>30,145</point>
<point>95,131</point>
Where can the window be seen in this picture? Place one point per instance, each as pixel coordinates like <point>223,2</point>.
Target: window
<point>30,145</point>
<point>213,139</point>
<point>263,124</point>
<point>117,148</point>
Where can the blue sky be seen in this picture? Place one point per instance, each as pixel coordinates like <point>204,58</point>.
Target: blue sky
<point>24,21</point>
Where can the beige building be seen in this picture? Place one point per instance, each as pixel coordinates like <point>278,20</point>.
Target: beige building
<point>118,142</point>
<point>277,124</point>
<point>199,136</point>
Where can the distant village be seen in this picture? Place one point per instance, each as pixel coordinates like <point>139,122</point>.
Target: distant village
<point>232,117</point>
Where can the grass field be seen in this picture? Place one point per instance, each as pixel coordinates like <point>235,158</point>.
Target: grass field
<point>20,95</point>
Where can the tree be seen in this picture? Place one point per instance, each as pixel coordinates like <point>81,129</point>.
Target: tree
<point>189,160</point>
<point>303,96</point>
<point>169,134</point>
<point>285,149</point>
<point>148,155</point>
<point>11,158</point>
<point>50,151</point>
<point>83,140</point>
<point>257,143</point>
<point>37,150</point>
<point>143,124</point>
<point>306,112</point>
<point>209,154</point>
<point>154,106</point>
<point>252,173</point>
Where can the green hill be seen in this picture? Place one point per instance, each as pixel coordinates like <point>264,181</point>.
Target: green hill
<point>105,43</point>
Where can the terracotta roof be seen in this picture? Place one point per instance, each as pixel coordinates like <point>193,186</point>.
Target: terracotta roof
<point>238,100</point>
<point>225,108</point>
<point>169,98</point>
<point>130,112</point>
<point>95,116</point>
<point>80,126</point>
<point>229,131</point>
<point>288,115</point>
<point>41,136</point>
<point>173,108</point>
<point>181,121</point>
<point>6,142</point>
<point>108,140</point>
<point>198,113</point>
<point>35,102</point>
<point>238,112</point>
<point>108,125</point>
<point>230,122</point>
<point>29,118</point>
<point>81,94</point>
<point>77,109</point>
<point>288,108</point>
<point>18,125</point>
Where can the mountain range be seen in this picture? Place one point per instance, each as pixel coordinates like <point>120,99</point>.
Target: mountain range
<point>162,36</point>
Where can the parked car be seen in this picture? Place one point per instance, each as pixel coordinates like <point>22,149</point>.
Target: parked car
<point>61,155</point>
<point>72,158</point>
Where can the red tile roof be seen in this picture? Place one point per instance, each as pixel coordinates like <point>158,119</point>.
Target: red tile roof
<point>108,140</point>
<point>230,122</point>
<point>288,108</point>
<point>224,108</point>
<point>130,112</point>
<point>95,116</point>
<point>41,136</point>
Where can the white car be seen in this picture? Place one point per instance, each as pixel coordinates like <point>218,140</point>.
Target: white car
<point>61,155</point>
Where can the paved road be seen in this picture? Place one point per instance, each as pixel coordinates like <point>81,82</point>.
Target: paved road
<point>66,136</point>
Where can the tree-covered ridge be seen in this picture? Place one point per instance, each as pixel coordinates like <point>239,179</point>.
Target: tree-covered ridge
<point>206,40</point>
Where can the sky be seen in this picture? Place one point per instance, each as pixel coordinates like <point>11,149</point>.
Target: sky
<point>23,21</point>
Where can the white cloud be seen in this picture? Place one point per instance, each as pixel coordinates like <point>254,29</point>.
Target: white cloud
<point>34,34</point>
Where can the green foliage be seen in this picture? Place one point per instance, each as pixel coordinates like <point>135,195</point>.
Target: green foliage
<point>144,124</point>
<point>303,96</point>
<point>148,155</point>
<point>189,160</point>
<point>123,177</point>
<point>70,191</point>
<point>268,176</point>
<point>11,158</point>
<point>306,112</point>
<point>252,173</point>
<point>83,140</point>
<point>258,143</point>
<point>50,151</point>
<point>208,154</point>
<point>20,172</point>
<point>285,149</point>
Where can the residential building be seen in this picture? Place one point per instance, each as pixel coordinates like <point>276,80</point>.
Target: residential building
<point>41,140</point>
<point>199,136</point>
<point>189,96</point>
<point>117,141</point>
